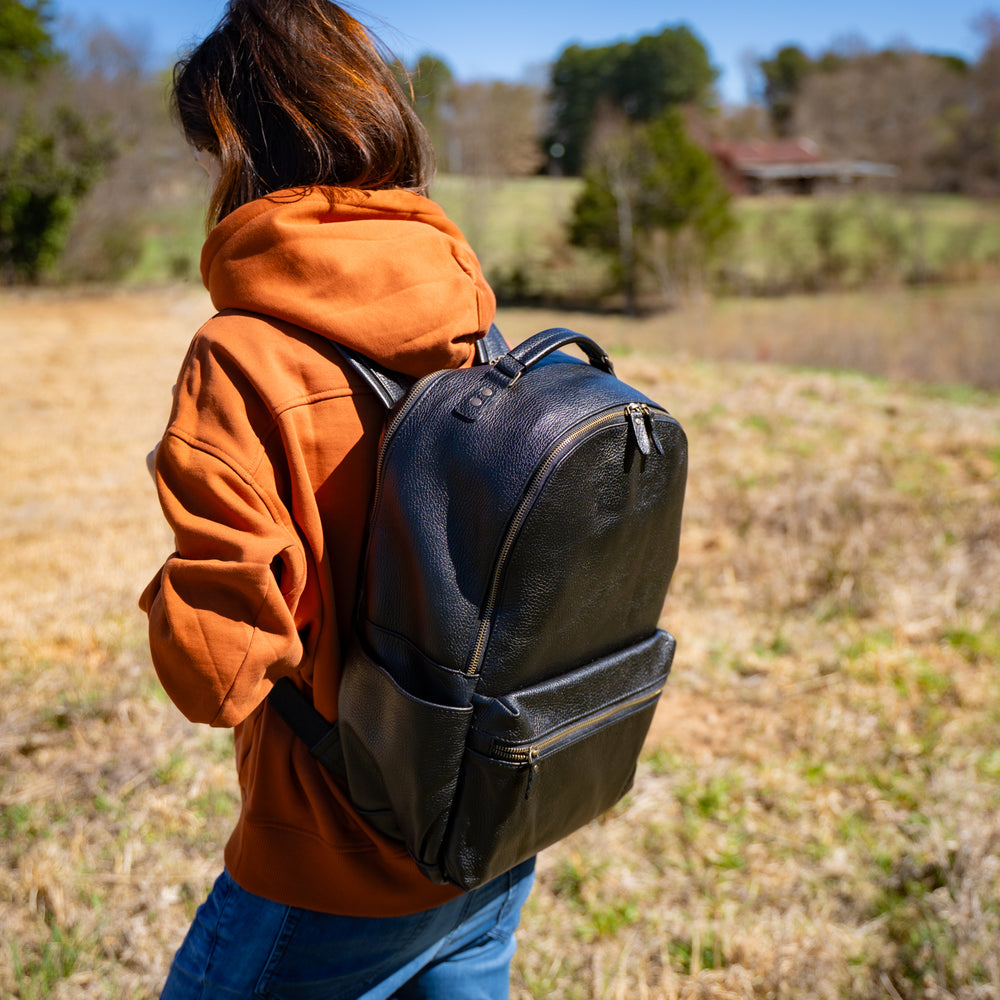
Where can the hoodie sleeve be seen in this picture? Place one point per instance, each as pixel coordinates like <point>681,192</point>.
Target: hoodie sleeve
<point>221,610</point>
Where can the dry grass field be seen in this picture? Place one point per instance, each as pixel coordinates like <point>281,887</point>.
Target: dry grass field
<point>817,814</point>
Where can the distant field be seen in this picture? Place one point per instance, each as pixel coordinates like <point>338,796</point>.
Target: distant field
<point>781,244</point>
<point>517,226</point>
<point>856,241</point>
<point>817,815</point>
<point>945,330</point>
<point>939,336</point>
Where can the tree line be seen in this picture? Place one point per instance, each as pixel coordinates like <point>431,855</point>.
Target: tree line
<point>935,116</point>
<point>85,140</point>
<point>85,143</point>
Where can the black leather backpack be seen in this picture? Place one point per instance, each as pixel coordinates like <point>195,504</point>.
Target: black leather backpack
<point>507,657</point>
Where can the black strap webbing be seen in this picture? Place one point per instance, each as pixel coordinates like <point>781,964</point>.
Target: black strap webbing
<point>322,737</point>
<point>389,386</point>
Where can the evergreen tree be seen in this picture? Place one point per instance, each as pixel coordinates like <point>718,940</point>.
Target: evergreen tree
<point>641,79</point>
<point>43,174</point>
<point>26,44</point>
<point>653,202</point>
<point>50,154</point>
<point>784,74</point>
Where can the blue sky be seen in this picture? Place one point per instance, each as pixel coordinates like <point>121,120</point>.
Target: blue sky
<point>507,40</point>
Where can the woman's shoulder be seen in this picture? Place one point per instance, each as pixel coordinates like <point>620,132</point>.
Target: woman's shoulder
<point>246,373</point>
<point>279,362</point>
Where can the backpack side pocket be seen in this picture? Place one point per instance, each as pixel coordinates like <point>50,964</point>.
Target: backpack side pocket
<point>402,756</point>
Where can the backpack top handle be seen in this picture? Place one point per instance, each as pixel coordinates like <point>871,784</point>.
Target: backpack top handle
<point>502,376</point>
<point>542,344</point>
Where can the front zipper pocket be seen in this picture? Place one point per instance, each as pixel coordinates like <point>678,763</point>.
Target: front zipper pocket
<point>543,761</point>
<point>532,754</point>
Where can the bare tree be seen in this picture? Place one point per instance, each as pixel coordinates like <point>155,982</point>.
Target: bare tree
<point>111,83</point>
<point>977,154</point>
<point>493,130</point>
<point>895,107</point>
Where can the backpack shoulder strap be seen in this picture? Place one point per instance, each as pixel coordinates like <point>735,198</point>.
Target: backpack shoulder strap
<point>323,737</point>
<point>391,387</point>
<point>491,346</point>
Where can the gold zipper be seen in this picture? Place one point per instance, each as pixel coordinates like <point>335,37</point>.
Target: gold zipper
<point>411,398</point>
<point>529,754</point>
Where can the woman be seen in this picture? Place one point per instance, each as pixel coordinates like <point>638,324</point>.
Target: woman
<point>321,233</point>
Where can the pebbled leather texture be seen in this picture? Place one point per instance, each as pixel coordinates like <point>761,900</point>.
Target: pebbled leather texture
<point>581,764</point>
<point>516,568</point>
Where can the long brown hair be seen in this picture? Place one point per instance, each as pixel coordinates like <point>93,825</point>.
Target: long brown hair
<point>297,93</point>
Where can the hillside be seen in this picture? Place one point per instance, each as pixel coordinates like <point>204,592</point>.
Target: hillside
<point>816,813</point>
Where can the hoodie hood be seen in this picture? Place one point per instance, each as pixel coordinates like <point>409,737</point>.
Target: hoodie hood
<point>384,272</point>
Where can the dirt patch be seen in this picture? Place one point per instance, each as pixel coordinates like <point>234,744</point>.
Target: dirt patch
<point>697,727</point>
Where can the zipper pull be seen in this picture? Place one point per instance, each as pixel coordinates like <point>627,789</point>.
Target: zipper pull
<point>636,419</point>
<point>651,426</point>
<point>532,768</point>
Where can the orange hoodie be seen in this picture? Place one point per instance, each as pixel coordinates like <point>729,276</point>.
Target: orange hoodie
<point>265,475</point>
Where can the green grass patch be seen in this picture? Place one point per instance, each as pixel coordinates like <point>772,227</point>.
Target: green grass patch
<point>691,955</point>
<point>18,820</point>
<point>974,645</point>
<point>171,769</point>
<point>38,973</point>
<point>171,250</point>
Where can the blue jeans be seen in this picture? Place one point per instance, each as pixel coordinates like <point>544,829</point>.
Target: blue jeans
<point>241,945</point>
